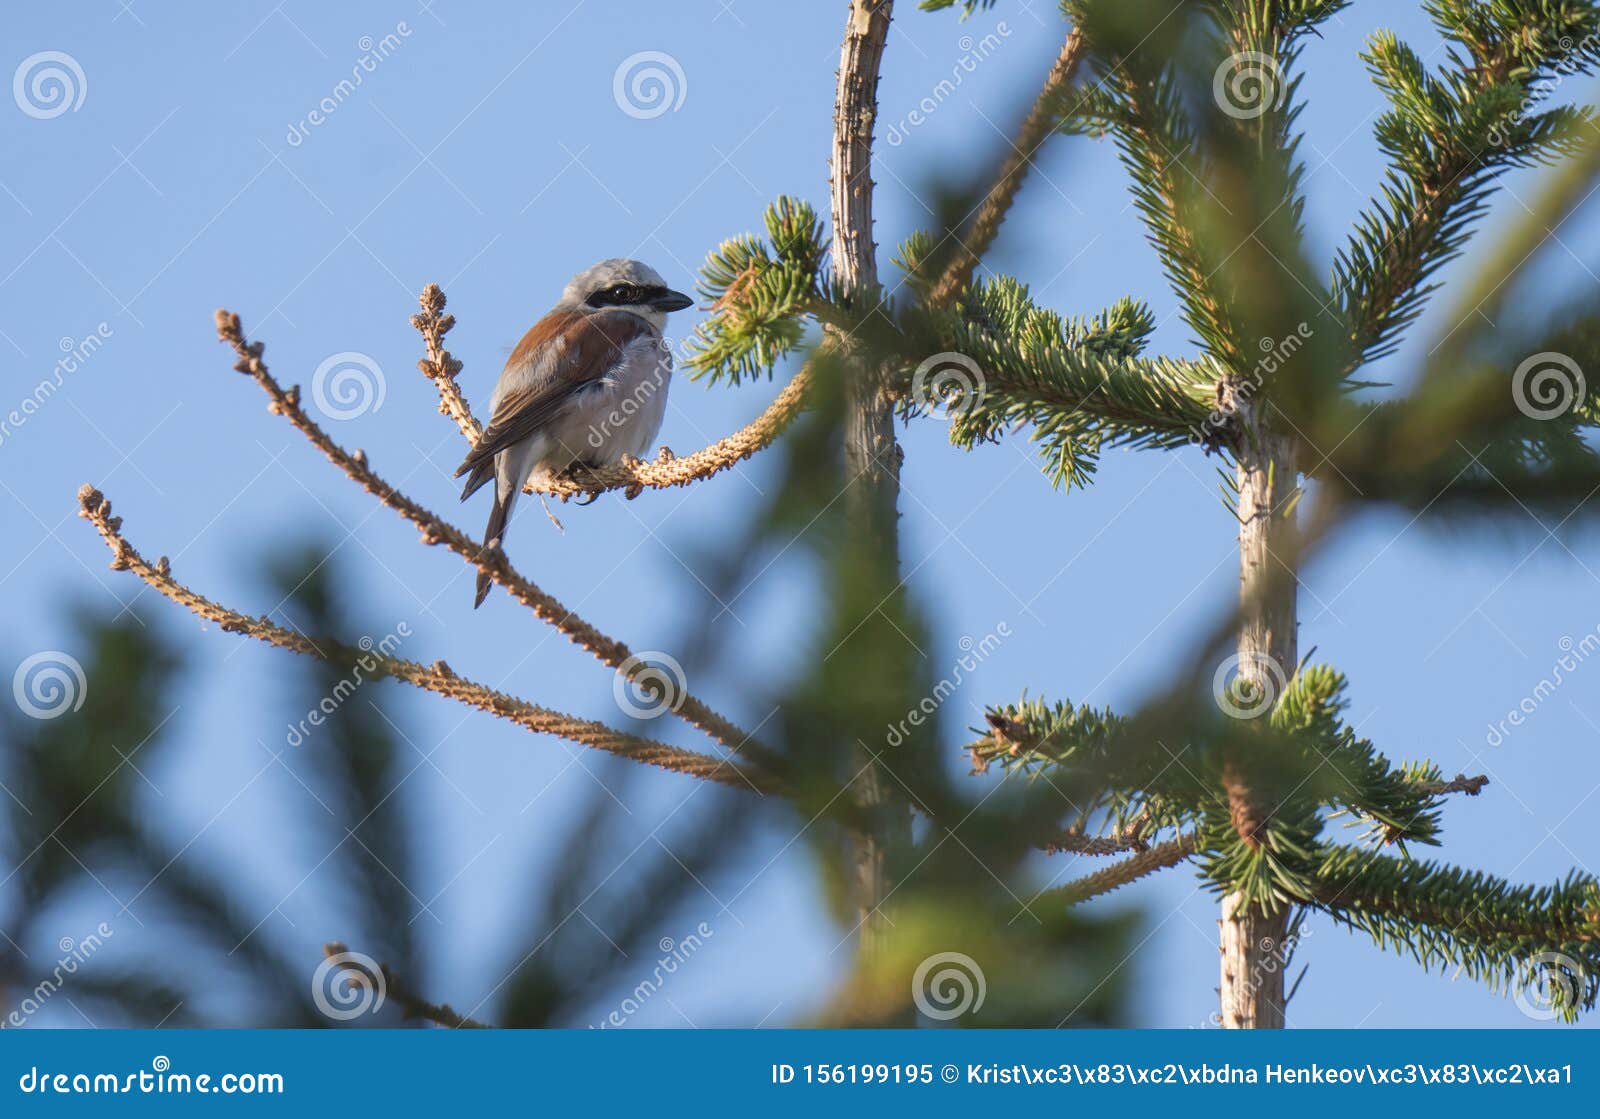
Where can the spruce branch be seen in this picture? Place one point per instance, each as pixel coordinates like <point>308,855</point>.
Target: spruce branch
<point>760,292</point>
<point>1141,108</point>
<point>440,679</point>
<point>1120,874</point>
<point>1266,792</point>
<point>1449,137</point>
<point>1126,783</point>
<point>609,651</point>
<point>633,477</point>
<point>1469,903</point>
<point>1079,383</point>
<point>390,986</point>
<point>1079,396</point>
<point>1495,931</point>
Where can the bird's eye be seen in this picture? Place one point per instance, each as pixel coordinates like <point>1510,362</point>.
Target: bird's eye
<point>625,293</point>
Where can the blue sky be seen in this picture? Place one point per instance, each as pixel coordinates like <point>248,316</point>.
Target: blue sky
<point>487,152</point>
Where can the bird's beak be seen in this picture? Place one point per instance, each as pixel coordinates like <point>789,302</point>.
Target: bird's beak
<point>671,301</point>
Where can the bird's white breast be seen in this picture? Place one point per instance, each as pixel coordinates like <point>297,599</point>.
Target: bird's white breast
<point>621,413</point>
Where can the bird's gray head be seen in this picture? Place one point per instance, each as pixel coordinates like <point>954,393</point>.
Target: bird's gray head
<point>623,285</point>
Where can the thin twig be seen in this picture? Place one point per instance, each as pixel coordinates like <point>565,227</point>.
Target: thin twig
<point>1072,842</point>
<point>665,472</point>
<point>1461,783</point>
<point>440,366</point>
<point>491,561</point>
<point>440,679</point>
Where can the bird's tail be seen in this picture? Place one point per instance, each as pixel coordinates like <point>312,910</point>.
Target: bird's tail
<point>494,535</point>
<point>510,469</point>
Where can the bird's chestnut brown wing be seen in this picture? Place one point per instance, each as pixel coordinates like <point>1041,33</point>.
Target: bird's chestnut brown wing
<point>564,351</point>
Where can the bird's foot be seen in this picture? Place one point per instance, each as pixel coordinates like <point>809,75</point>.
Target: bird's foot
<point>632,463</point>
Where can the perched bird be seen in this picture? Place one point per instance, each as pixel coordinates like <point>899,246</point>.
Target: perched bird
<point>587,385</point>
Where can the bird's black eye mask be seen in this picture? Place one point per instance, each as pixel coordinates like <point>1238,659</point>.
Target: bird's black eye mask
<point>626,295</point>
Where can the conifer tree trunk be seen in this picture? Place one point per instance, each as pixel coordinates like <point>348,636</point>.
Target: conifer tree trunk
<point>1252,942</point>
<point>871,455</point>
